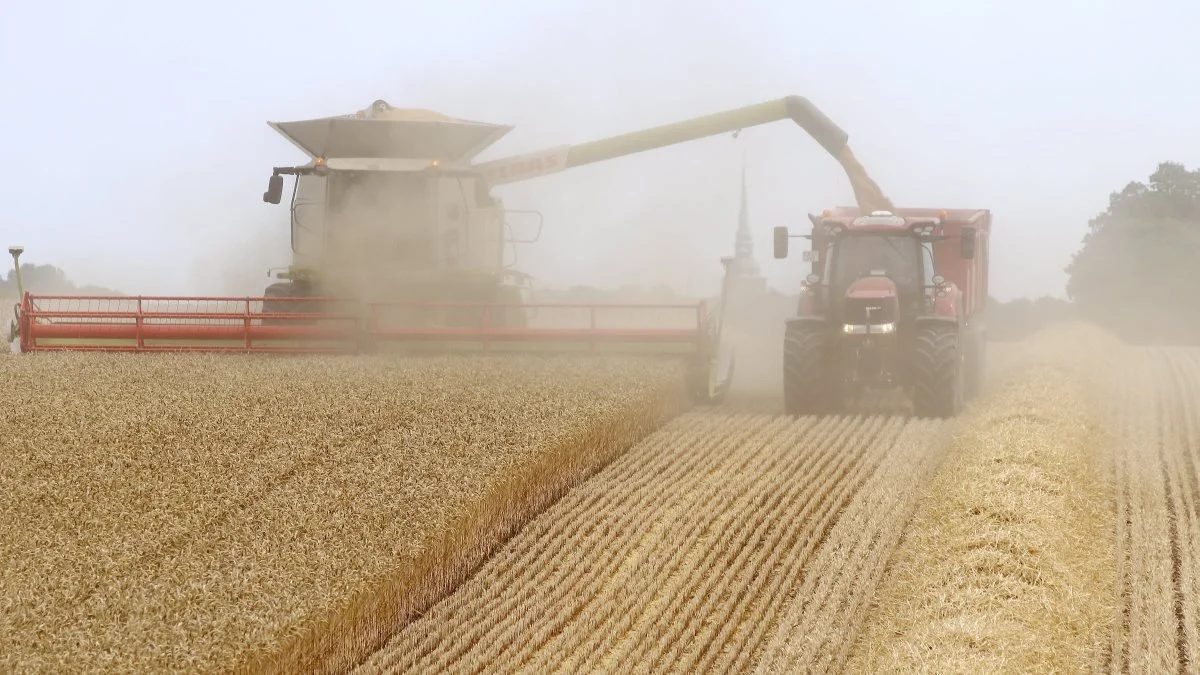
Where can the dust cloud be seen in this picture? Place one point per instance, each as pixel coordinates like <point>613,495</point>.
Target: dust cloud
<point>247,269</point>
<point>658,218</point>
<point>664,242</point>
<point>663,217</point>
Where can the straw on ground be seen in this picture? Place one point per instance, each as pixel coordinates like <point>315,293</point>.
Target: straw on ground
<point>1007,564</point>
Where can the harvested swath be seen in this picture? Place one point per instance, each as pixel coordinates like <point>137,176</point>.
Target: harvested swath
<point>831,602</point>
<point>195,513</point>
<point>678,556</point>
<point>831,606</point>
<point>1007,563</point>
<point>1157,464</point>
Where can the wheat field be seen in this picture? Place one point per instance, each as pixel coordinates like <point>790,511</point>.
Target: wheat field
<point>209,513</point>
<point>520,514</point>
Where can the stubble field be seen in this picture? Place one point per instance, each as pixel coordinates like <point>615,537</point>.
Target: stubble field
<point>1053,527</point>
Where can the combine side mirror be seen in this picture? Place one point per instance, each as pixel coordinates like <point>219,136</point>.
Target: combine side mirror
<point>274,192</point>
<point>967,250</point>
<point>781,242</point>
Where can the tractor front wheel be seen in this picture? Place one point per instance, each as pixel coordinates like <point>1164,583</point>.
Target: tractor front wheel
<point>938,372</point>
<point>805,376</point>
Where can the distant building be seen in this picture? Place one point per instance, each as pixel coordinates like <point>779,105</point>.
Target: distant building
<point>745,276</point>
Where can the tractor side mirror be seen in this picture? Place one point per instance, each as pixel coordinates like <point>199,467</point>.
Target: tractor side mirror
<point>274,193</point>
<point>781,242</point>
<point>967,245</point>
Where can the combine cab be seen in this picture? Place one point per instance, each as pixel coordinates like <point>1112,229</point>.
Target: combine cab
<point>398,243</point>
<point>895,302</point>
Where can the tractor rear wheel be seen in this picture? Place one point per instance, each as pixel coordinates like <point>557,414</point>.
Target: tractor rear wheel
<point>805,376</point>
<point>938,372</point>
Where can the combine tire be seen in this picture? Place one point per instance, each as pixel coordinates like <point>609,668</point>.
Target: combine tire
<point>284,289</point>
<point>511,317</point>
<point>938,372</point>
<point>805,389</point>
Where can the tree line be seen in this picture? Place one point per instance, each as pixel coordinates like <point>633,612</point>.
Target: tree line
<point>1135,272</point>
<point>46,279</point>
<point>1138,268</point>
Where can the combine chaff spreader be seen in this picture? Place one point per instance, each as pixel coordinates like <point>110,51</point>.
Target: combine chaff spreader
<point>398,243</point>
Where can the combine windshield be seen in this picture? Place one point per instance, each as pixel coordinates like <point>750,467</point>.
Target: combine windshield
<point>896,256</point>
<point>384,217</point>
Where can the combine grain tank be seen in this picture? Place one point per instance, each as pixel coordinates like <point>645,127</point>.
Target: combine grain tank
<point>894,301</point>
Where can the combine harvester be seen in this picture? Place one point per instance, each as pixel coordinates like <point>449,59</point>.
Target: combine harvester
<point>398,243</point>
<point>895,301</point>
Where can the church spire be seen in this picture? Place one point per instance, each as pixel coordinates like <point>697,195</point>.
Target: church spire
<point>743,257</point>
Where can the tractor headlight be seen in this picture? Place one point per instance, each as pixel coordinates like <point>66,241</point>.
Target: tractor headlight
<point>869,329</point>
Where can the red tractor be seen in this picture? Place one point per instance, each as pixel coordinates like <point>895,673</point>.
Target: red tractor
<point>895,300</point>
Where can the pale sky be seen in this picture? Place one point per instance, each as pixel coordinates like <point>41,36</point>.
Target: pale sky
<point>138,148</point>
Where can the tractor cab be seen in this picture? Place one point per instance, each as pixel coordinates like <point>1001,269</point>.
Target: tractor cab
<point>883,270</point>
<point>871,272</point>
